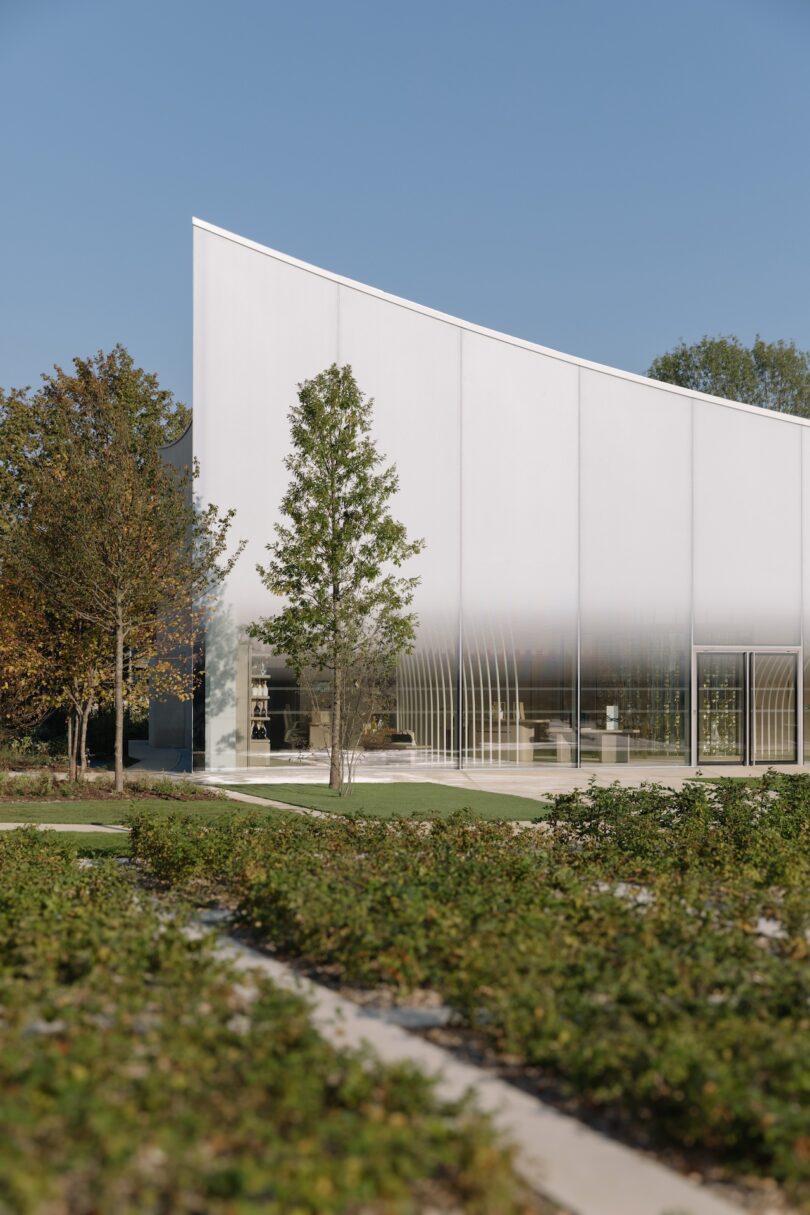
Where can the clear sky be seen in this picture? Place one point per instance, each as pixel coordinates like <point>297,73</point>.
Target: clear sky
<point>601,176</point>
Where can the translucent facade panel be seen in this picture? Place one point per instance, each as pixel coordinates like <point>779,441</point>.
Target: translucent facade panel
<point>410,364</point>
<point>260,327</point>
<point>635,570</point>
<point>747,528</point>
<point>519,554</point>
<point>584,532</point>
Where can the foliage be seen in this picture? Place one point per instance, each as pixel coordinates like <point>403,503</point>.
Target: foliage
<point>105,545</point>
<point>27,751</point>
<point>334,559</point>
<point>647,949</point>
<point>31,437</point>
<point>46,785</point>
<point>139,1073</point>
<point>773,375</point>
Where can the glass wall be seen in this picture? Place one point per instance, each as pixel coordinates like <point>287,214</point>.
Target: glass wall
<point>518,706</point>
<point>424,725</point>
<point>635,705</point>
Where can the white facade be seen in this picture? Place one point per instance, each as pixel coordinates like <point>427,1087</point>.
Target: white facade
<point>614,568</point>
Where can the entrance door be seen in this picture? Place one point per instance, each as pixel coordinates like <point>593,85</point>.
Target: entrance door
<point>746,707</point>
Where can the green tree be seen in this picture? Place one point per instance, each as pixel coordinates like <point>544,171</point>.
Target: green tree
<point>34,424</point>
<point>109,538</point>
<point>773,375</point>
<point>336,555</point>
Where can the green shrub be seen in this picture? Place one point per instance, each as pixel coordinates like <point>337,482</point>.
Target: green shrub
<point>38,785</point>
<point>169,789</point>
<point>139,1074</point>
<point>648,950</point>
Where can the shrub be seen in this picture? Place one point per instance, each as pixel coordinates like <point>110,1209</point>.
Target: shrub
<point>648,951</point>
<point>138,1073</point>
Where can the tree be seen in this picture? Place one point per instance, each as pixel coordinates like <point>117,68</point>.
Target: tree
<point>33,424</point>
<point>773,375</point>
<point>335,556</point>
<point>109,535</point>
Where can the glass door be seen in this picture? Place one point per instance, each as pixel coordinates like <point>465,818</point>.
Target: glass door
<point>722,704</point>
<point>773,725</point>
<point>746,707</point>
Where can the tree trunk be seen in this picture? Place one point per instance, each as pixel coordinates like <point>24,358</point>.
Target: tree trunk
<point>119,707</point>
<point>336,756</point>
<point>71,744</point>
<point>83,741</point>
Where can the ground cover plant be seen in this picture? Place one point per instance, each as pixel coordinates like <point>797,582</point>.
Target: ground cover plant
<point>402,799</point>
<point>19,753</point>
<point>137,1076</point>
<point>644,949</point>
<point>45,785</point>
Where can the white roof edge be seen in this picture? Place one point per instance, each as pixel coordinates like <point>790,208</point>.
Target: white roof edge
<point>573,359</point>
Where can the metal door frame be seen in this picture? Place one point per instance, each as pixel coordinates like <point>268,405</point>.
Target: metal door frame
<point>749,651</point>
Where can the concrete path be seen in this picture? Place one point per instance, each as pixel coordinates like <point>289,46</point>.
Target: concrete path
<point>251,800</point>
<point>86,828</point>
<point>523,782</point>
<point>582,1170</point>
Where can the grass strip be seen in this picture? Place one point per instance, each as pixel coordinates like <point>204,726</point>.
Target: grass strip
<point>117,812</point>
<point>402,799</point>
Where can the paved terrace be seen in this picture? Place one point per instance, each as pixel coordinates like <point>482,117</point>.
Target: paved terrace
<point>538,782</point>
<point>524,782</point>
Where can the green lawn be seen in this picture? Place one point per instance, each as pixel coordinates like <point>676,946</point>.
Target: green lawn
<point>107,813</point>
<point>91,843</point>
<point>402,799</point>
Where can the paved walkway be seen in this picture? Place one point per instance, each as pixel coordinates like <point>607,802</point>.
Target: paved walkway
<point>558,1156</point>
<point>86,828</point>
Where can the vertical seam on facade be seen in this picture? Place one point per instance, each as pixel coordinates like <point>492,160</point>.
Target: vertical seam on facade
<point>693,692</point>
<point>460,642</point>
<point>578,693</point>
<point>337,325</point>
<point>800,662</point>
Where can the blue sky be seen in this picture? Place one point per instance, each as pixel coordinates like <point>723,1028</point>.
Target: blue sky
<point>603,178</point>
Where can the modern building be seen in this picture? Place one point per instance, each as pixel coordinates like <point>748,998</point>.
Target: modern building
<point>615,569</point>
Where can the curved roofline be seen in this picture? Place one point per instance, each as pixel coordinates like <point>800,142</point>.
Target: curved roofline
<point>521,343</point>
